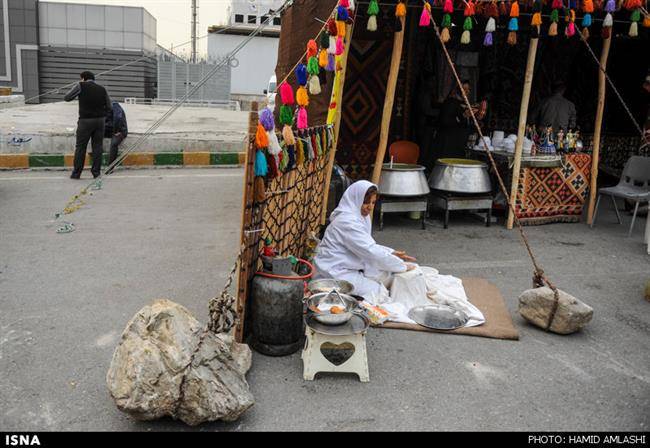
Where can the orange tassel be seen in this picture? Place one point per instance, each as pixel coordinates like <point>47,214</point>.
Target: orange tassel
<point>312,48</point>
<point>261,139</point>
<point>400,10</point>
<point>512,38</point>
<point>445,36</point>
<point>588,6</point>
<point>552,29</point>
<point>322,58</point>
<point>514,9</point>
<point>302,98</point>
<point>537,19</point>
<point>340,28</point>
<point>646,21</point>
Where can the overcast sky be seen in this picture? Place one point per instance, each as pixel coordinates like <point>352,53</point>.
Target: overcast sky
<point>174,18</point>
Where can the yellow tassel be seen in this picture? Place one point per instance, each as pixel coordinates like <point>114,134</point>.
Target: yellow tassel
<point>300,153</point>
<point>646,21</point>
<point>400,10</point>
<point>322,58</point>
<point>445,36</point>
<point>340,28</point>
<point>287,135</point>
<point>512,38</point>
<point>573,16</point>
<point>302,98</point>
<point>537,19</point>
<point>552,29</point>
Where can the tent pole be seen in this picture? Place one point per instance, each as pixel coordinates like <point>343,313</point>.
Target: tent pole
<point>523,116</point>
<point>337,122</point>
<point>396,58</point>
<point>600,108</point>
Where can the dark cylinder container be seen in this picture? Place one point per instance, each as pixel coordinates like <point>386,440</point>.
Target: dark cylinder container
<point>276,315</point>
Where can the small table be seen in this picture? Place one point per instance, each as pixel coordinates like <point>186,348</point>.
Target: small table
<point>454,201</point>
<point>319,335</point>
<point>394,204</point>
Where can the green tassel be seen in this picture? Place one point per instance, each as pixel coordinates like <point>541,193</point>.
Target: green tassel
<point>373,8</point>
<point>636,15</point>
<point>324,40</point>
<point>286,115</point>
<point>312,66</point>
<point>555,15</point>
<point>467,26</point>
<point>446,21</point>
<point>285,158</point>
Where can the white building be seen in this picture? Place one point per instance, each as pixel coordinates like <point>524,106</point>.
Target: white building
<point>255,63</point>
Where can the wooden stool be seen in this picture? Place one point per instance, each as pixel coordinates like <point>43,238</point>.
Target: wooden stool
<point>314,361</point>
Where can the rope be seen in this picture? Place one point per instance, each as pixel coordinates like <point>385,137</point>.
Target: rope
<point>539,276</point>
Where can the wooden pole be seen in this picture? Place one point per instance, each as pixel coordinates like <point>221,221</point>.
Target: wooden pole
<point>523,116</point>
<point>600,108</point>
<point>337,121</point>
<point>246,219</point>
<point>396,57</point>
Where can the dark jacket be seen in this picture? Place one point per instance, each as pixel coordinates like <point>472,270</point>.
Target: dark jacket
<point>116,122</point>
<point>94,101</point>
<point>556,111</point>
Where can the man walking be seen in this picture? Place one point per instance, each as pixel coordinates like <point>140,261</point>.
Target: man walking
<point>94,105</point>
<point>116,129</point>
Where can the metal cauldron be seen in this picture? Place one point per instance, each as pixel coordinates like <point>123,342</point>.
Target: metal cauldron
<point>460,176</point>
<point>332,298</point>
<point>402,179</point>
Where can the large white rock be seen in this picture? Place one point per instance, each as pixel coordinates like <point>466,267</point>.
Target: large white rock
<point>150,375</point>
<point>536,305</point>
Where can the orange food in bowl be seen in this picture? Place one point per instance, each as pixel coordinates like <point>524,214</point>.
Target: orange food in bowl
<point>337,310</point>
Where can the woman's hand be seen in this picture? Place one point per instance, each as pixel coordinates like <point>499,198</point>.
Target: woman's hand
<point>410,267</point>
<point>401,254</point>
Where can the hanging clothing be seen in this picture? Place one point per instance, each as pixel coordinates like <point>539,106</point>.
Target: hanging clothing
<point>348,251</point>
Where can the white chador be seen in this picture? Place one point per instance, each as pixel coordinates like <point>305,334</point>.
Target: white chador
<point>348,251</point>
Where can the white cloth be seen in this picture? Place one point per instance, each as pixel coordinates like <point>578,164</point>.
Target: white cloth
<point>348,251</point>
<point>424,286</point>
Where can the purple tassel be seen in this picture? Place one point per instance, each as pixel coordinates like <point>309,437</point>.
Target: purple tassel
<point>488,40</point>
<point>610,6</point>
<point>331,63</point>
<point>266,118</point>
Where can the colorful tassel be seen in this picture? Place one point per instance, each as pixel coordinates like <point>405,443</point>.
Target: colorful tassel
<point>636,15</point>
<point>261,140</point>
<point>400,10</point>
<point>302,98</point>
<point>284,159</point>
<point>332,30</point>
<point>274,145</point>
<point>552,29</point>
<point>513,25</point>
<point>502,9</point>
<point>261,167</point>
<point>470,9</point>
<point>312,48</point>
<point>632,4</point>
<point>588,6</point>
<point>570,30</point>
<point>266,119</point>
<point>340,27</point>
<point>331,63</point>
<point>331,49</point>
<point>302,118</point>
<point>585,33</point>
<point>425,17</point>
<point>273,166</point>
<point>536,20</point>
<point>301,74</point>
<point>300,153</point>
<point>514,9</point>
<point>445,35</point>
<point>286,115</point>
<point>344,3</point>
<point>634,29</point>
<point>448,7</point>
<point>492,10</point>
<point>487,41</point>
<point>446,21</point>
<point>555,16</point>
<point>608,21</point>
<point>324,40</point>
<point>586,20</point>
<point>352,6</point>
<point>646,21</point>
<point>467,25</point>
<point>286,93</point>
<point>342,14</point>
<point>340,47</point>
<point>557,4</point>
<point>287,135</point>
<point>573,4</point>
<point>610,6</point>
<point>372,23</point>
<point>465,37</point>
<point>373,8</point>
<point>314,85</point>
<point>291,152</point>
<point>491,25</point>
<point>512,38</point>
<point>312,66</point>
<point>322,58</point>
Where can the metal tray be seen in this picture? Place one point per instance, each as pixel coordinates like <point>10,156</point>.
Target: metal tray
<point>438,317</point>
<point>357,324</point>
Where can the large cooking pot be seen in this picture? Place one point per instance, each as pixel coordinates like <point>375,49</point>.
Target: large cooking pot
<point>402,179</point>
<point>460,176</point>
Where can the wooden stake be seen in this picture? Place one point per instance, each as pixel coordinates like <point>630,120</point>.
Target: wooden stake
<point>337,122</point>
<point>246,219</point>
<point>395,60</point>
<point>523,116</point>
<point>600,108</point>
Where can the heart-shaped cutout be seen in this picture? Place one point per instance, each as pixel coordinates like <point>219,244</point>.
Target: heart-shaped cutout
<point>337,354</point>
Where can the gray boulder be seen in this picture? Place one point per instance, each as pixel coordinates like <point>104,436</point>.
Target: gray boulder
<point>536,305</point>
<point>151,375</point>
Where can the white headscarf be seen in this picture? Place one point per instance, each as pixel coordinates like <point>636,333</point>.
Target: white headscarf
<point>351,202</point>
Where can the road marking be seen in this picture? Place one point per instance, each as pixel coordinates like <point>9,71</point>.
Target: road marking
<point>137,176</point>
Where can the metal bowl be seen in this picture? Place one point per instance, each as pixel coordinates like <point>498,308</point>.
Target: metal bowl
<point>334,299</point>
<point>460,176</point>
<point>328,284</point>
<point>402,179</point>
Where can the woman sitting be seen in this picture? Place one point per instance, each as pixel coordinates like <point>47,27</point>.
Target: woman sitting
<point>348,251</point>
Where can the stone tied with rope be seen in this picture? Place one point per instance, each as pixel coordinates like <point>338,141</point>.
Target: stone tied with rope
<point>167,364</point>
<point>545,311</point>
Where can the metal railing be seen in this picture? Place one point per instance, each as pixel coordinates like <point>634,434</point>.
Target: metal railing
<point>219,104</point>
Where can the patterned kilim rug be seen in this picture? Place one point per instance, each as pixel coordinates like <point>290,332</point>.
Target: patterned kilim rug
<point>547,195</point>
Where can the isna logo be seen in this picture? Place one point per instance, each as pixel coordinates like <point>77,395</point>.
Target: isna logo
<point>21,440</point>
